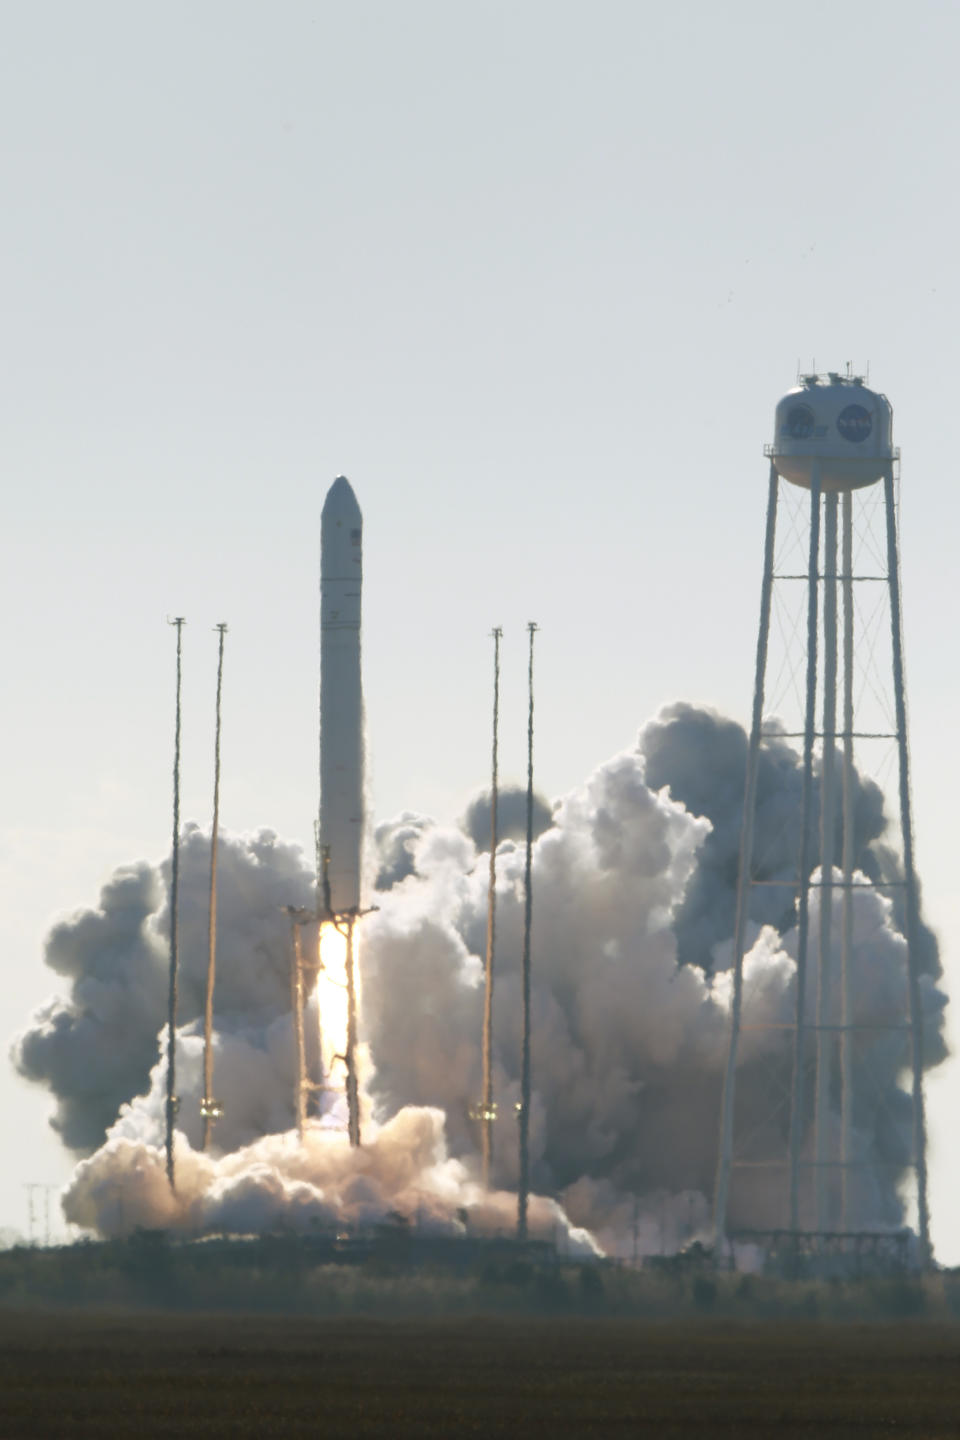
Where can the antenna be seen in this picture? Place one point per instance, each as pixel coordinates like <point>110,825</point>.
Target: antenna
<point>172,1103</point>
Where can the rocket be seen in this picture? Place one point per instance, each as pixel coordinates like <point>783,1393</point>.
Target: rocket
<point>341,700</point>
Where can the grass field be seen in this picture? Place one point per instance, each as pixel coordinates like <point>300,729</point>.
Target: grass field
<point>70,1374</point>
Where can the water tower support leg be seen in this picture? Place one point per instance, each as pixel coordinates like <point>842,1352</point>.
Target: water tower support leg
<point>825,1034</point>
<point>909,875</point>
<point>849,855</point>
<point>803,919</point>
<point>725,1155</point>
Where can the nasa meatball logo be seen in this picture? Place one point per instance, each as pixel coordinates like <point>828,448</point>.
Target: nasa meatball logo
<point>854,423</point>
<point>800,422</point>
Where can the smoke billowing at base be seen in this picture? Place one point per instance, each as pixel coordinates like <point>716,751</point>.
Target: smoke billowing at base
<point>634,884</point>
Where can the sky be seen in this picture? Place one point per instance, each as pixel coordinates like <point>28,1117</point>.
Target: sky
<point>533,275</point>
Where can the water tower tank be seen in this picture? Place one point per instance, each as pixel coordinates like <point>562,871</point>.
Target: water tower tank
<point>835,420</point>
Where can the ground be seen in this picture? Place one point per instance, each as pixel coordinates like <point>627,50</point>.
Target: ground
<point>70,1373</point>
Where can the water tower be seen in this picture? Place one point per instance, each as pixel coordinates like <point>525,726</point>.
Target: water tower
<point>831,460</point>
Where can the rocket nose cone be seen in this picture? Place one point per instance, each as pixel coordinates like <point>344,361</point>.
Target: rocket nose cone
<point>341,499</point>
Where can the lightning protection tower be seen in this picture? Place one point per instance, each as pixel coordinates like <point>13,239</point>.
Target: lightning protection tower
<point>833,475</point>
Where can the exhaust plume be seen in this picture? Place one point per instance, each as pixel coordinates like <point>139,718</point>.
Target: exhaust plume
<point>634,879</point>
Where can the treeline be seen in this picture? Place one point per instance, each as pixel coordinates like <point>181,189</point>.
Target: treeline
<point>287,1275</point>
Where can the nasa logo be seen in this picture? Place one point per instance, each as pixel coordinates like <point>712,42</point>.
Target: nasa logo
<point>854,423</point>
<point>799,423</point>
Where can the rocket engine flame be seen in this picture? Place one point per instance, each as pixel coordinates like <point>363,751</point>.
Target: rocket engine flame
<point>331,1001</point>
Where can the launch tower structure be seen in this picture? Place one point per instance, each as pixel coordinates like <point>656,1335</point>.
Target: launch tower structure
<point>833,439</point>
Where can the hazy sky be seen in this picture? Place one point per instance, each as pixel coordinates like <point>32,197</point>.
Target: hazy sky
<point>533,274</point>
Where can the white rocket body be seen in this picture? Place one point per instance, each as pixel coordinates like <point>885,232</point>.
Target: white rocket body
<point>341,696</point>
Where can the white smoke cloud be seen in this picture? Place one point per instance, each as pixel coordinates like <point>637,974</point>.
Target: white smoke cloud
<point>633,908</point>
<point>403,1169</point>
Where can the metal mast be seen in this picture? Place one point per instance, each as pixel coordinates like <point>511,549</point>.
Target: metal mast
<point>488,1112</point>
<point>296,996</point>
<point>211,1109</point>
<point>303,976</point>
<point>523,1189</point>
<point>171,1104</point>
